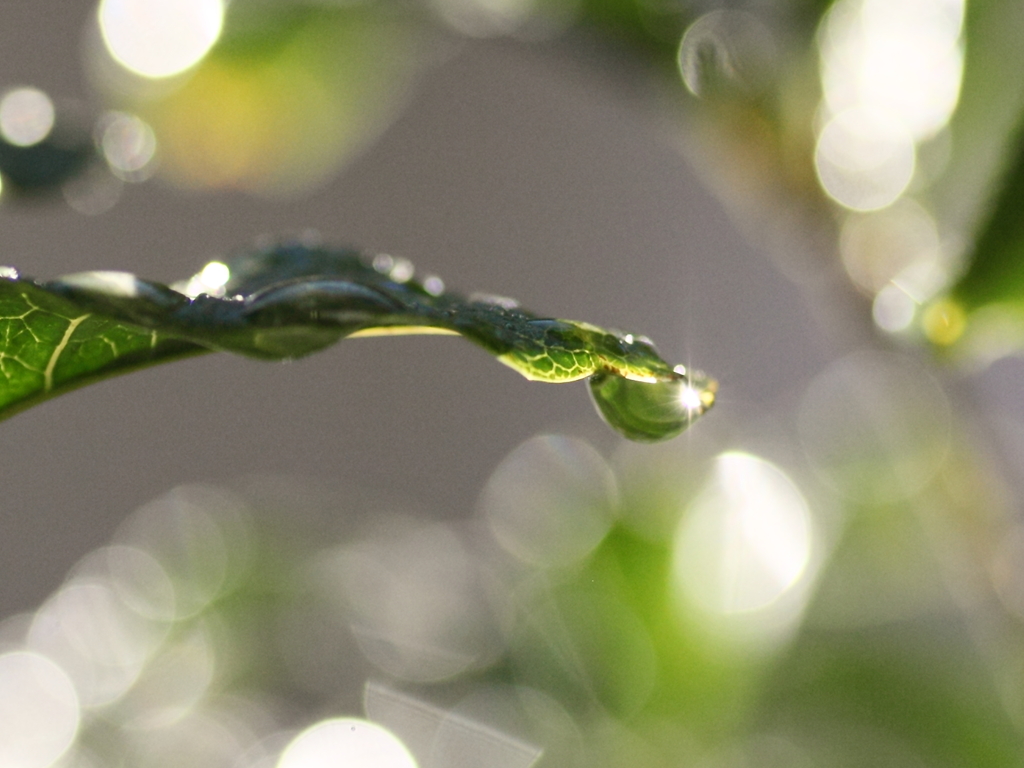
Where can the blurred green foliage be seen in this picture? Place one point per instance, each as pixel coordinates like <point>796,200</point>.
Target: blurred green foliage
<point>899,640</point>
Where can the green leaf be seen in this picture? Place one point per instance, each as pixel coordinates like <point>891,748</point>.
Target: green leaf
<point>997,264</point>
<point>290,300</point>
<point>983,313</point>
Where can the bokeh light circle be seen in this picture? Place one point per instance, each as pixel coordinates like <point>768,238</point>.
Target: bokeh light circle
<point>876,427</point>
<point>128,144</point>
<point>418,611</point>
<point>348,742</point>
<point>551,500</point>
<point>747,538</point>
<point>156,38</point>
<point>864,159</point>
<point>39,711</point>
<point>726,49</point>
<point>26,116</point>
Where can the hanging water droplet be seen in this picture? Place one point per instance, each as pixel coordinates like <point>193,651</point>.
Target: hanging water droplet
<point>649,412</point>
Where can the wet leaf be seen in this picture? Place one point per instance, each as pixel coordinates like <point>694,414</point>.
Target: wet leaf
<point>291,300</point>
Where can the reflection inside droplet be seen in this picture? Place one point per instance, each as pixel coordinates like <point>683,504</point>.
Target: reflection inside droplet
<point>652,411</point>
<point>26,116</point>
<point>158,39</point>
<point>348,742</point>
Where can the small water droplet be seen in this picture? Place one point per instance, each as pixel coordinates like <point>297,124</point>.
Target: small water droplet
<point>494,300</point>
<point>649,412</point>
<point>107,282</point>
<point>383,262</point>
<point>9,273</point>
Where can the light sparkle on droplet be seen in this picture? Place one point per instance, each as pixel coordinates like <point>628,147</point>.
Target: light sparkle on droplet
<point>210,280</point>
<point>215,274</point>
<point>690,399</point>
<point>9,273</point>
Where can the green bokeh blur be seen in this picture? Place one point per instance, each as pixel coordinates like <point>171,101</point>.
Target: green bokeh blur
<point>850,594</point>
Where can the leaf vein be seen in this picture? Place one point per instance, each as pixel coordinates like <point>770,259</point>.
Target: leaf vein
<point>73,323</point>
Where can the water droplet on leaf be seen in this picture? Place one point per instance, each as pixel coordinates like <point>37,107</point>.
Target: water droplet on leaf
<point>649,412</point>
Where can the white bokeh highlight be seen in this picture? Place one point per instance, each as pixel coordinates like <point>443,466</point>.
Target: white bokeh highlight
<point>157,38</point>
<point>26,116</point>
<point>39,711</point>
<point>890,73</point>
<point>746,540</point>
<point>346,743</point>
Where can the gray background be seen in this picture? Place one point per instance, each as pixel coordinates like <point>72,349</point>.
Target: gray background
<point>515,169</point>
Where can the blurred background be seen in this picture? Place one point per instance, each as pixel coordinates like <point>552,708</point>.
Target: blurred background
<point>399,553</point>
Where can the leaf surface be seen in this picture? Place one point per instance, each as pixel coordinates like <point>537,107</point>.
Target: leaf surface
<point>290,300</point>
